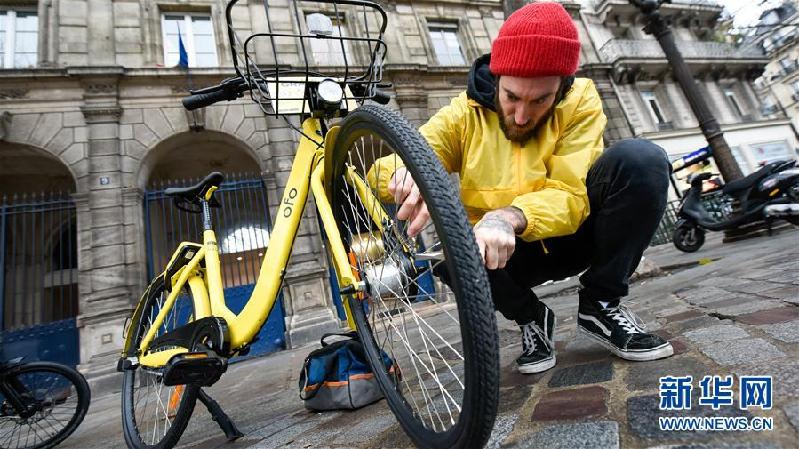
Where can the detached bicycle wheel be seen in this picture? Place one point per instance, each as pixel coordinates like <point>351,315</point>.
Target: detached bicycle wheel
<point>56,398</point>
<point>432,347</point>
<point>154,415</point>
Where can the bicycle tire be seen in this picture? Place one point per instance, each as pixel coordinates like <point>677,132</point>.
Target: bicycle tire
<point>82,404</point>
<point>188,398</point>
<point>476,317</point>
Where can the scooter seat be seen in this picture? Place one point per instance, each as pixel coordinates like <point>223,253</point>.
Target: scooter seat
<point>734,188</point>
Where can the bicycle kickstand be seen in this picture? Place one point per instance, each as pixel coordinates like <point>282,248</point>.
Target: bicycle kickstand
<point>217,414</point>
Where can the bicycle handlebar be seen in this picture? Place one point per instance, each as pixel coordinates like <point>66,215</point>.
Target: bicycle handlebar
<point>233,88</point>
<point>229,89</point>
<point>381,97</point>
<point>197,101</point>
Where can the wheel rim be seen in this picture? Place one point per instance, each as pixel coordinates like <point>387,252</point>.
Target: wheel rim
<point>417,328</point>
<point>54,404</point>
<point>155,405</point>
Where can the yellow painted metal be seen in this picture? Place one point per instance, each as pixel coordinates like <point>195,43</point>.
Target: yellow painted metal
<point>160,358</point>
<point>213,278</point>
<point>202,306</point>
<point>369,200</point>
<point>188,270</point>
<point>337,251</point>
<point>307,174</point>
<point>210,193</point>
<point>289,213</point>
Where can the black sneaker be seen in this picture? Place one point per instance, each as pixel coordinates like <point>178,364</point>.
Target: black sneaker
<point>538,348</point>
<point>618,329</point>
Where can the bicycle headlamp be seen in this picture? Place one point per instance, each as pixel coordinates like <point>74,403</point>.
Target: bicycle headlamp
<point>330,93</point>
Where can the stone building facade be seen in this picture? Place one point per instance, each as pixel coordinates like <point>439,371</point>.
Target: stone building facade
<point>90,105</point>
<point>654,105</point>
<point>95,111</point>
<point>775,33</point>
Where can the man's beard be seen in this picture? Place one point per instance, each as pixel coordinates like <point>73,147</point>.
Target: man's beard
<point>515,133</point>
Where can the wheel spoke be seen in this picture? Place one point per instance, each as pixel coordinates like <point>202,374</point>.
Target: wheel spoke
<point>154,406</point>
<point>51,391</point>
<point>422,338</point>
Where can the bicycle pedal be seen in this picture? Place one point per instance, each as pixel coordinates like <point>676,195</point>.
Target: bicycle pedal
<point>194,368</point>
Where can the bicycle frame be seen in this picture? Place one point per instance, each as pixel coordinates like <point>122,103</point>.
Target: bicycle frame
<point>307,174</point>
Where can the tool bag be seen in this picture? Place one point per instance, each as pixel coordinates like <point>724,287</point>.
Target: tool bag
<point>338,376</point>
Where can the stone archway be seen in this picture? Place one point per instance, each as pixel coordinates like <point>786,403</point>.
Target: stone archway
<point>194,155</point>
<point>183,160</point>
<point>26,169</point>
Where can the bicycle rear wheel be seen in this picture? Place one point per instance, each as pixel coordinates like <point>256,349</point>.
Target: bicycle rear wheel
<point>154,415</point>
<point>443,375</point>
<point>57,398</point>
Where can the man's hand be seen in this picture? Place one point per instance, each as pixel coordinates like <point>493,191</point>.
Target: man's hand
<point>406,193</point>
<point>496,235</point>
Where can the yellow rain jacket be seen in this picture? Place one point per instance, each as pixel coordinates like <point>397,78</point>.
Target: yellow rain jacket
<point>545,177</point>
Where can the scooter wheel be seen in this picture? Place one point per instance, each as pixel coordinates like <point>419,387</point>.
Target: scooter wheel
<point>688,238</point>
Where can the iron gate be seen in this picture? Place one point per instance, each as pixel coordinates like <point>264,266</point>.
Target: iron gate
<point>38,277</point>
<point>242,227</point>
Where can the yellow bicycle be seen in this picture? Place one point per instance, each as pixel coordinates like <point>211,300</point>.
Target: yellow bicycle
<point>443,386</point>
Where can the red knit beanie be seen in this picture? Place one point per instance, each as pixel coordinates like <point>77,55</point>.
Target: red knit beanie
<point>538,39</point>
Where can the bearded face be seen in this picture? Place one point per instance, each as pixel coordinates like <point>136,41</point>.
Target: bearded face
<point>525,104</point>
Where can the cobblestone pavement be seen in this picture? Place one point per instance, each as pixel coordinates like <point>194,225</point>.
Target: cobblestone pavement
<point>729,309</point>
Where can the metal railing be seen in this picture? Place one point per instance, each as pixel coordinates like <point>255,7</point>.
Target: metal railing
<point>616,49</point>
<point>38,259</point>
<point>599,4</point>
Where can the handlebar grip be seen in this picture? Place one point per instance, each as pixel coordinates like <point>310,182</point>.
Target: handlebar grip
<point>381,97</point>
<point>202,100</point>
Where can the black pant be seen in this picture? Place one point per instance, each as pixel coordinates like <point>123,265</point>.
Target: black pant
<point>627,190</point>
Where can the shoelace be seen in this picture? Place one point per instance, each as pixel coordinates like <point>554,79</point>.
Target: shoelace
<point>529,332</point>
<point>628,320</point>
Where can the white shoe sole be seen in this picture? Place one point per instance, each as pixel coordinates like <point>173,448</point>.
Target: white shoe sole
<point>535,368</point>
<point>663,351</point>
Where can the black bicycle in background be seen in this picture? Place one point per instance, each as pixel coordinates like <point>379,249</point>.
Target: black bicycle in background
<point>41,403</point>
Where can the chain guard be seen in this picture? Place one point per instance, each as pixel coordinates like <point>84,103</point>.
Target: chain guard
<point>206,333</point>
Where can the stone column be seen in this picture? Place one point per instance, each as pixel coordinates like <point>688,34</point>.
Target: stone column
<point>106,293</point>
<point>134,241</point>
<point>307,297</point>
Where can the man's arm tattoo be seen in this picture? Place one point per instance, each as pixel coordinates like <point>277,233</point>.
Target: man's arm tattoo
<point>511,215</point>
<point>495,223</point>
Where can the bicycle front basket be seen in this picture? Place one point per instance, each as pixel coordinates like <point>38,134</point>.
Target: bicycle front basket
<point>294,43</point>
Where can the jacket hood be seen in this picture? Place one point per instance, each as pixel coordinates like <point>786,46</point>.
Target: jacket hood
<point>480,85</point>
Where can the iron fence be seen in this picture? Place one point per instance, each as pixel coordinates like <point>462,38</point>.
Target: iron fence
<point>38,277</point>
<point>716,203</point>
<point>38,259</point>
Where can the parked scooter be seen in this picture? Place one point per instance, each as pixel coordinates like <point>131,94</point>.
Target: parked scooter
<point>770,193</point>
